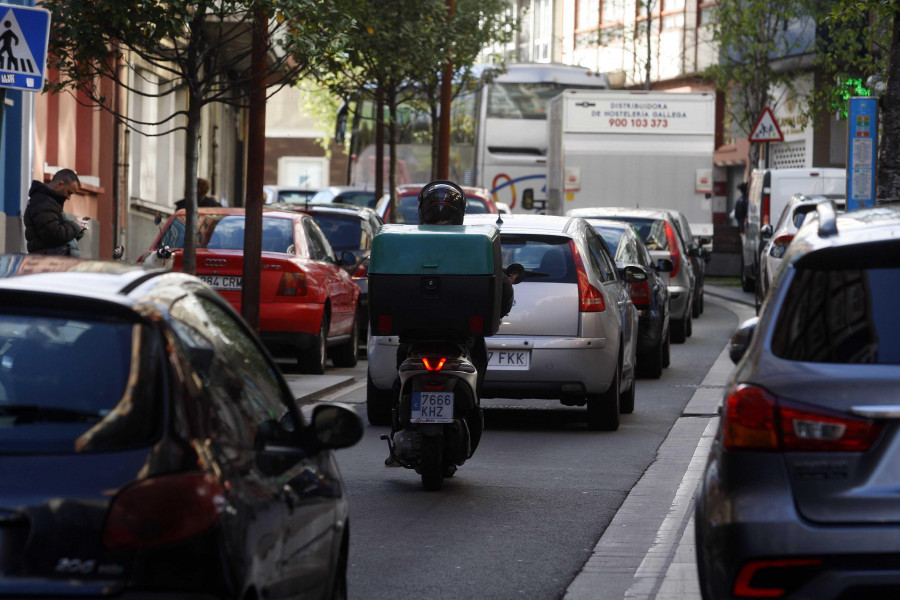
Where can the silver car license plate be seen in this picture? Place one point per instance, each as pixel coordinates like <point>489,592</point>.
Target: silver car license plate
<point>509,359</point>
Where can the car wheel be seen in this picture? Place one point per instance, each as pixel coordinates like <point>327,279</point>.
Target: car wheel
<point>345,354</point>
<point>679,330</point>
<point>378,404</point>
<point>652,362</point>
<point>603,409</point>
<point>701,300</point>
<point>747,283</point>
<point>695,306</point>
<point>626,399</point>
<point>689,326</point>
<point>312,360</point>
<point>666,354</point>
<point>339,588</point>
<point>759,293</point>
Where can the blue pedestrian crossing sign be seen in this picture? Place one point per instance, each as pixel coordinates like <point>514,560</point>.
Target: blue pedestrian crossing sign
<point>24,33</point>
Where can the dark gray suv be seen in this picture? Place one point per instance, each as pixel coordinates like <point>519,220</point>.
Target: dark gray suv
<point>799,498</point>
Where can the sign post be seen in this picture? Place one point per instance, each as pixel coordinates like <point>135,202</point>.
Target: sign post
<point>862,144</point>
<point>24,34</point>
<point>766,130</point>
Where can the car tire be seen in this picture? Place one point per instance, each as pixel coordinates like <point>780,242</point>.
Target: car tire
<point>689,326</point>
<point>667,350</point>
<point>344,355</point>
<point>701,300</point>
<point>431,467</point>
<point>626,399</point>
<point>696,305</point>
<point>679,330</point>
<point>758,294</point>
<point>339,587</point>
<point>652,362</point>
<point>603,409</point>
<point>378,404</point>
<point>312,360</point>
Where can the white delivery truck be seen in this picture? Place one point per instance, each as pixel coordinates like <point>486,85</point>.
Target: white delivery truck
<point>641,149</point>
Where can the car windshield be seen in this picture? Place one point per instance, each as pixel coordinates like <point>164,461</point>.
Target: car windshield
<point>611,235</point>
<point>64,384</point>
<point>360,198</point>
<point>547,259</point>
<point>226,232</point>
<point>343,232</point>
<point>840,315</point>
<point>652,231</point>
<point>295,196</point>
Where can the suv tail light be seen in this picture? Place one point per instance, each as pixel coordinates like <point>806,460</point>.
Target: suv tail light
<point>163,510</point>
<point>640,294</point>
<point>292,284</point>
<point>757,420</point>
<point>764,209</point>
<point>590,299</point>
<point>674,249</point>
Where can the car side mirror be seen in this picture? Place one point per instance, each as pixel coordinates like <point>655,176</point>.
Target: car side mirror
<point>740,339</point>
<point>665,265</point>
<point>765,232</point>
<point>528,199</point>
<point>634,274</point>
<point>335,425</point>
<point>695,252</point>
<point>348,258</point>
<point>704,240</point>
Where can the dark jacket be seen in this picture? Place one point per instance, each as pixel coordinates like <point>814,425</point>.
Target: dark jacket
<point>45,226</point>
<point>204,202</point>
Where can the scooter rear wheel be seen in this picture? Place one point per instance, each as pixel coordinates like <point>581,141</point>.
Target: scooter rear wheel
<point>431,468</point>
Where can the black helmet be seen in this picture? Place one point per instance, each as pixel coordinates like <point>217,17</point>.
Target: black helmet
<point>441,202</point>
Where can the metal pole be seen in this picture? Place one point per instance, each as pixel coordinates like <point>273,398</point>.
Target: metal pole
<point>443,158</point>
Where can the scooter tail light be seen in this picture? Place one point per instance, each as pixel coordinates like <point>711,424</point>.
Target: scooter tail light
<point>435,364</point>
<point>164,510</point>
<point>590,298</point>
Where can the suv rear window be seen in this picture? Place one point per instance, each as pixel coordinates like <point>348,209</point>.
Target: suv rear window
<point>64,384</point>
<point>546,259</point>
<point>846,316</point>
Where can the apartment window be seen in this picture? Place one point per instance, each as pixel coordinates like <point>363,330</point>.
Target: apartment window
<point>707,13</point>
<point>672,14</point>
<point>598,21</point>
<point>543,29</point>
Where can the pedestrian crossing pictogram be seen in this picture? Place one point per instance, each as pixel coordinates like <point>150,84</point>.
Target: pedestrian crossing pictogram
<point>23,46</point>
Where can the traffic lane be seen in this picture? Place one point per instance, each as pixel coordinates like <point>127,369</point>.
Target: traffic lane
<point>523,515</point>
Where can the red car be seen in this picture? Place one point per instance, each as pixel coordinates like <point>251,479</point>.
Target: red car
<point>307,302</point>
<point>478,201</point>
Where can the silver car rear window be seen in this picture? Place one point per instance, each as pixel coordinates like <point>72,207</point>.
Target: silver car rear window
<point>547,259</point>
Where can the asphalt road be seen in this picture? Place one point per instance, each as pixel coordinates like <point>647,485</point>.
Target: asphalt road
<point>519,519</point>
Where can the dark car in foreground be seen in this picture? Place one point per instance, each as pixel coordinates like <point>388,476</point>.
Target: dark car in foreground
<point>799,497</point>
<point>650,297</point>
<point>150,448</point>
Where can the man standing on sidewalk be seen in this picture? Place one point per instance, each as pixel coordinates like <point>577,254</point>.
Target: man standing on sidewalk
<point>47,230</point>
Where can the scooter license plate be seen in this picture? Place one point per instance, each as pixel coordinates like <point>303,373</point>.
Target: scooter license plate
<point>431,407</point>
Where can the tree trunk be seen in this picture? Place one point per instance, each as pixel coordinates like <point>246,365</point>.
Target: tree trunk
<point>191,159</point>
<point>379,142</point>
<point>435,128</point>
<point>888,182</point>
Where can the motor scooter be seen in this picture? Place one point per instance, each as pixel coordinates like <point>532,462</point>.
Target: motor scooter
<point>437,418</point>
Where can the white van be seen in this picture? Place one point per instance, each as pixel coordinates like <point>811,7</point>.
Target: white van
<point>770,190</point>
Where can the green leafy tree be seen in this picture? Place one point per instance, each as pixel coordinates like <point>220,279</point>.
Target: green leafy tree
<point>200,46</point>
<point>762,44</point>
<point>860,43</point>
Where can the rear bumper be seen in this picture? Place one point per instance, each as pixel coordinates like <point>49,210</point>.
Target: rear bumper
<point>558,367</point>
<point>287,317</point>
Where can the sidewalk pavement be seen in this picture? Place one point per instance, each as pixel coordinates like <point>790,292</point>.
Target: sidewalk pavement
<point>647,551</point>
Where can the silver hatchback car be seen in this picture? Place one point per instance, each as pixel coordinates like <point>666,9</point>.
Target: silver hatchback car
<point>661,235</point>
<point>572,332</point>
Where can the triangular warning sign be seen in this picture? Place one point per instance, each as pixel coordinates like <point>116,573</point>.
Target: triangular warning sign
<point>766,128</point>
<point>15,55</point>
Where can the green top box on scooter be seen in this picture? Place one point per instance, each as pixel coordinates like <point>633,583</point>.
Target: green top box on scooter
<point>435,281</point>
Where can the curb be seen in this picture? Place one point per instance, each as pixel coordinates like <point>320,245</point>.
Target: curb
<point>319,394</point>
